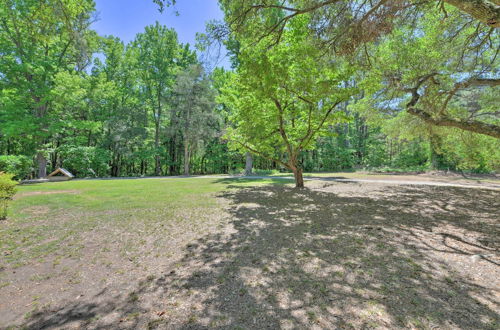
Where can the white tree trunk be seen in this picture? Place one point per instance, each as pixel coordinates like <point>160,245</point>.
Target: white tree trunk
<point>248,164</point>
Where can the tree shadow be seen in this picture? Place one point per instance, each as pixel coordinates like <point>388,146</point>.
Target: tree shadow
<point>396,257</point>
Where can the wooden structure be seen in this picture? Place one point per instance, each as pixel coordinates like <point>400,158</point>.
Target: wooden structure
<point>60,174</point>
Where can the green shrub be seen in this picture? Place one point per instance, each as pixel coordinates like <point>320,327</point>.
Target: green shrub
<point>413,154</point>
<point>7,191</point>
<point>20,166</point>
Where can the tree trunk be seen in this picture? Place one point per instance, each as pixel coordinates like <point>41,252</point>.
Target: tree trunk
<point>42,165</point>
<point>118,165</point>
<point>203,168</point>
<point>53,159</point>
<point>299,180</point>
<point>186,158</point>
<point>157,147</point>
<point>436,157</point>
<point>172,152</point>
<point>248,164</point>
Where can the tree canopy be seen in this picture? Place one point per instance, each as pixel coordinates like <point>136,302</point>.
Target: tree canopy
<point>314,85</point>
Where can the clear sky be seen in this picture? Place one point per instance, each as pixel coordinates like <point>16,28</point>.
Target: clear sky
<point>126,18</point>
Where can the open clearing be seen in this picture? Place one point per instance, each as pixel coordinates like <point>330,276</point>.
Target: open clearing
<point>250,253</point>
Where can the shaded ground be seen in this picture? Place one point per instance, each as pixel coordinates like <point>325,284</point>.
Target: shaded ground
<point>240,255</point>
<point>424,178</point>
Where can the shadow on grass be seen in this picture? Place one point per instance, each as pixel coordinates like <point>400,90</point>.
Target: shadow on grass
<point>313,258</point>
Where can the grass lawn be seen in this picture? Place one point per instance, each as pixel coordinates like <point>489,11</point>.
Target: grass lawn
<point>238,253</point>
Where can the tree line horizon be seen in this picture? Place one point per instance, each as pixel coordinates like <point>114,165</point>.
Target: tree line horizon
<point>313,86</point>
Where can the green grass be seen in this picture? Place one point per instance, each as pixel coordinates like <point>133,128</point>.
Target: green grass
<point>98,195</point>
<point>53,219</point>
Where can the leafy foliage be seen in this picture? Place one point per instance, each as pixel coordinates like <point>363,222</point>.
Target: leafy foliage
<point>192,114</point>
<point>7,191</point>
<point>20,166</point>
<point>85,161</point>
<point>283,98</point>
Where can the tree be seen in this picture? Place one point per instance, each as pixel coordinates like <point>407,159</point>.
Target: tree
<point>424,70</point>
<point>39,39</point>
<point>159,58</point>
<point>193,110</point>
<point>284,97</point>
<point>354,16</point>
<point>349,29</point>
<point>116,101</point>
<point>248,163</point>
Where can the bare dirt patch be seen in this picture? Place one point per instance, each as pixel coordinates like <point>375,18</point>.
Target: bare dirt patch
<point>334,255</point>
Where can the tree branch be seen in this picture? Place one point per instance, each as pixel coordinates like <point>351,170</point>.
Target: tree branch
<point>320,126</point>
<point>488,12</point>
<point>282,127</point>
<point>467,125</point>
<point>244,145</point>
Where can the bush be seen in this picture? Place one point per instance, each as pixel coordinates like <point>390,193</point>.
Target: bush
<point>19,166</point>
<point>7,191</point>
<point>85,161</point>
<point>413,154</point>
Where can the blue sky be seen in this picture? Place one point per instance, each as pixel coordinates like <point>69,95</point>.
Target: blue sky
<point>126,18</point>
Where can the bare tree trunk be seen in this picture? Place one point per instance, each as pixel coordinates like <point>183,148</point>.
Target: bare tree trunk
<point>42,165</point>
<point>157,146</point>
<point>248,164</point>
<point>186,158</point>
<point>172,153</point>
<point>299,179</point>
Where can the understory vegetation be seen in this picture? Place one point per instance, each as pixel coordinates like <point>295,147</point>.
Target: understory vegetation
<point>7,191</point>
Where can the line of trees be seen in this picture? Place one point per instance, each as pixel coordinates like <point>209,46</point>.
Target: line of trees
<point>309,90</point>
<point>304,67</point>
<point>97,106</point>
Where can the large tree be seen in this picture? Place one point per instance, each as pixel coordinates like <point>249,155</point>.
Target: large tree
<point>362,16</point>
<point>340,27</point>
<point>116,100</point>
<point>38,40</point>
<point>284,97</point>
<point>192,115</point>
<point>422,68</point>
<point>159,58</point>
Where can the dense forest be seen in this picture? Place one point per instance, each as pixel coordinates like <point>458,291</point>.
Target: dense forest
<point>314,86</point>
